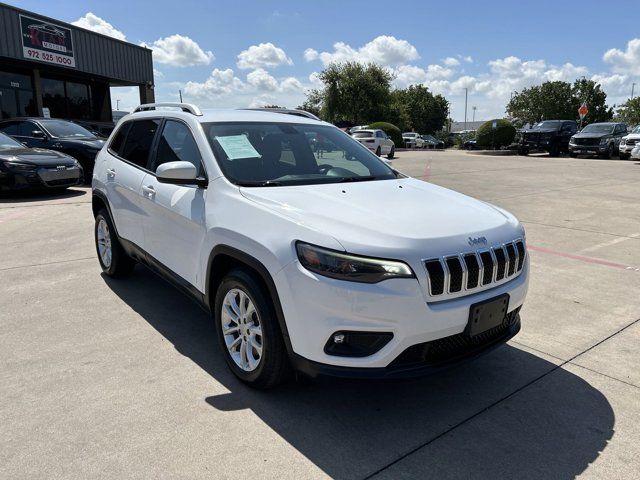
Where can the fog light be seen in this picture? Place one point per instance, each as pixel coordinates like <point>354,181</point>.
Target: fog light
<point>356,344</point>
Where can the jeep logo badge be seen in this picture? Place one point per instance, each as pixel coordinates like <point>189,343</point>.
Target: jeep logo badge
<point>61,167</point>
<point>477,241</point>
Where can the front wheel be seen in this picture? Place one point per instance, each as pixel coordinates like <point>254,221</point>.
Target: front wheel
<point>623,156</point>
<point>609,153</point>
<point>378,151</point>
<point>248,331</point>
<point>112,257</point>
<point>392,153</point>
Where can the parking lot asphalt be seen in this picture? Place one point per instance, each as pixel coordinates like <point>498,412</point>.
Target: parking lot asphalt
<point>123,379</point>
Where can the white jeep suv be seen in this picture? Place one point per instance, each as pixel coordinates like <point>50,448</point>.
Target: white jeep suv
<point>327,262</point>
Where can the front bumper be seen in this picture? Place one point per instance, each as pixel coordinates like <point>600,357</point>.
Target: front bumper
<point>624,148</point>
<point>40,178</point>
<point>588,149</point>
<point>316,307</point>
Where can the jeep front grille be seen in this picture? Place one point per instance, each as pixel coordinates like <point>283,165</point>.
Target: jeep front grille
<point>475,270</point>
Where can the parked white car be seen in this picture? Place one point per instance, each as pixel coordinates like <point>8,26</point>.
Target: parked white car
<point>414,140</point>
<point>635,153</point>
<point>331,264</point>
<point>377,141</point>
<point>628,143</point>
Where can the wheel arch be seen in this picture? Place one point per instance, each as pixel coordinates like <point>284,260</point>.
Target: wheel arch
<point>223,259</point>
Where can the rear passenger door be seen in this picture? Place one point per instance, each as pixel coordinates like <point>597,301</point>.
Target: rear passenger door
<point>126,166</point>
<point>174,217</point>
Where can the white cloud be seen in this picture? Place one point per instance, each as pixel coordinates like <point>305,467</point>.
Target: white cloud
<point>310,54</point>
<point>383,50</point>
<point>291,84</point>
<point>625,62</point>
<point>263,55</point>
<point>157,73</point>
<point>96,24</point>
<point>451,62</point>
<point>220,82</point>
<point>179,51</point>
<point>262,80</point>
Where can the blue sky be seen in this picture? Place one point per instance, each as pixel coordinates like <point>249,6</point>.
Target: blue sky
<point>235,54</point>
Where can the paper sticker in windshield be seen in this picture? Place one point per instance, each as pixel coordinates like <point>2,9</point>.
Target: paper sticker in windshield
<point>237,146</point>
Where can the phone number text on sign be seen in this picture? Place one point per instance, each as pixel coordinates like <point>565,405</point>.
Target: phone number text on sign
<point>49,57</point>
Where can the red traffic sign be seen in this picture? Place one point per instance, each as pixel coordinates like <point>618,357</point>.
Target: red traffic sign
<point>583,110</point>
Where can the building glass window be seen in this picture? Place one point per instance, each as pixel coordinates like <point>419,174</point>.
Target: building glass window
<point>16,95</point>
<point>53,97</point>
<point>79,101</point>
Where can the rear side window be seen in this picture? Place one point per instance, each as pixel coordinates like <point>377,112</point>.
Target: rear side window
<point>118,141</point>
<point>137,145</point>
<point>176,144</point>
<point>10,128</point>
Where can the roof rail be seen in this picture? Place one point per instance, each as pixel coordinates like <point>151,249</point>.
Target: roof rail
<point>185,107</point>
<point>286,111</point>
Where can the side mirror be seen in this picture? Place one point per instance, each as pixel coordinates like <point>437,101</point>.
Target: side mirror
<point>38,134</point>
<point>179,173</point>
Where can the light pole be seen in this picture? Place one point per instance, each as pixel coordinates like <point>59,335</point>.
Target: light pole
<point>118,104</point>
<point>466,91</point>
<point>474,113</point>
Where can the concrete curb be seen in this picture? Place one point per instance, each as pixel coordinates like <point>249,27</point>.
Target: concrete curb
<point>493,152</point>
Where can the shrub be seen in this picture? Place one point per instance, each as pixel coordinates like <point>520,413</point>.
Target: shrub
<point>391,130</point>
<point>494,138</point>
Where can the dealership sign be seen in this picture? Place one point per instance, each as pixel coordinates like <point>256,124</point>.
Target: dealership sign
<point>46,42</point>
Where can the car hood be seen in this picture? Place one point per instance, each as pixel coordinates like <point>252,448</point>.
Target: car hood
<point>387,216</point>
<point>37,156</point>
<point>540,130</point>
<point>634,136</point>
<point>95,143</point>
<point>591,135</point>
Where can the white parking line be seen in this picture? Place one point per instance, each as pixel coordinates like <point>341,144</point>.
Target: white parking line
<point>609,243</point>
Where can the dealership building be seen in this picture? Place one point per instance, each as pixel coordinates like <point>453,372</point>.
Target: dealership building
<point>52,68</point>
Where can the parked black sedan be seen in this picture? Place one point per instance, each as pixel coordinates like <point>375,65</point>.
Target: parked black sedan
<point>55,134</point>
<point>22,167</point>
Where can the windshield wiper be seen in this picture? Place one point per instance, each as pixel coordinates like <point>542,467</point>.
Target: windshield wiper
<point>357,179</point>
<point>264,183</point>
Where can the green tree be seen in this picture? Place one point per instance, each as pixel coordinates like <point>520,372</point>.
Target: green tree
<point>489,137</point>
<point>351,91</point>
<point>629,112</point>
<point>559,101</point>
<point>592,94</point>
<point>424,111</point>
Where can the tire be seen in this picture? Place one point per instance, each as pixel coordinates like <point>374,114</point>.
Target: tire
<point>554,151</point>
<point>392,153</point>
<point>523,151</point>
<point>378,151</point>
<point>272,367</point>
<point>623,156</point>
<point>573,155</point>
<point>117,263</point>
<point>607,155</point>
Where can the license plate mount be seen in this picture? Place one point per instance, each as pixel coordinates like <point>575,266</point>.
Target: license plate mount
<point>486,315</point>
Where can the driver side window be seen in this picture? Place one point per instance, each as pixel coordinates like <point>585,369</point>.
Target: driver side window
<point>176,144</point>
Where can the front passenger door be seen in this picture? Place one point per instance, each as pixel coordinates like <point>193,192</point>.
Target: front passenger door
<point>174,220</point>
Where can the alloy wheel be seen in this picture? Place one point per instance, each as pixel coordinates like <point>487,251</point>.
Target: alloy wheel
<point>103,238</point>
<point>241,329</point>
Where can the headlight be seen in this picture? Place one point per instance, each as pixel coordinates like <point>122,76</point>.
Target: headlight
<point>572,139</point>
<point>16,165</point>
<point>623,141</point>
<point>353,268</point>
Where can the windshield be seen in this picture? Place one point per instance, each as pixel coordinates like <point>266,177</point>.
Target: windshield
<point>64,129</point>
<point>636,129</point>
<point>275,154</point>
<point>549,124</point>
<point>409,134</point>
<point>7,143</point>
<point>363,134</point>
<point>598,128</point>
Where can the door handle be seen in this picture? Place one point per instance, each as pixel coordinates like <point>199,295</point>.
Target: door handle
<point>111,172</point>
<point>148,190</point>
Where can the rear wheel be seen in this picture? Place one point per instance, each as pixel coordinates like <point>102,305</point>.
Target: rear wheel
<point>378,151</point>
<point>573,155</point>
<point>392,153</point>
<point>623,156</point>
<point>248,331</point>
<point>112,257</point>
